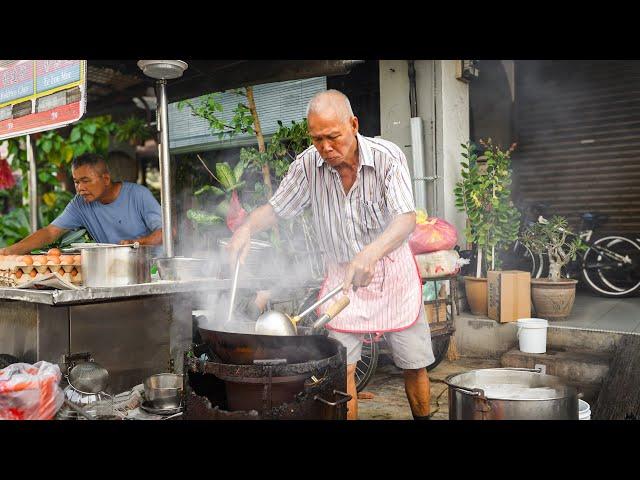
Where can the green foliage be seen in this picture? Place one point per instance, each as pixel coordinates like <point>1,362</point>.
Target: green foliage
<point>56,149</point>
<point>285,144</point>
<point>134,130</point>
<point>204,218</point>
<point>553,238</point>
<point>14,226</point>
<point>209,108</point>
<point>485,198</point>
<point>91,135</point>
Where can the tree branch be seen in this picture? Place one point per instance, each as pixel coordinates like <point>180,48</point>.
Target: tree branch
<point>207,168</point>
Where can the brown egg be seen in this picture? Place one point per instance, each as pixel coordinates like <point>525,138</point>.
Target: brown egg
<point>66,259</point>
<point>33,273</point>
<point>39,259</point>
<point>27,260</point>
<point>18,273</point>
<point>54,251</point>
<point>77,259</point>
<point>74,272</point>
<point>53,260</point>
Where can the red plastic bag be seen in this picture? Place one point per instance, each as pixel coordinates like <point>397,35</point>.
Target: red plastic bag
<point>431,235</point>
<point>30,392</point>
<point>236,214</point>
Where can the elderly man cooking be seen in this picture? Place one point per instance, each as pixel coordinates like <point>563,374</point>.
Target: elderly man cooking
<point>112,212</point>
<point>359,191</point>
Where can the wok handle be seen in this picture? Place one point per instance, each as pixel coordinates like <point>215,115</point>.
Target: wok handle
<point>331,312</point>
<point>328,296</point>
<point>345,398</point>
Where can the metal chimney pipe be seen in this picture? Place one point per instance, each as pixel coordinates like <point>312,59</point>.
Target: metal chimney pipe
<point>166,194</point>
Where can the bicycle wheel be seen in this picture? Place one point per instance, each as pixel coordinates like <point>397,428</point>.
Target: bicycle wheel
<point>520,257</point>
<point>366,367</point>
<point>611,266</point>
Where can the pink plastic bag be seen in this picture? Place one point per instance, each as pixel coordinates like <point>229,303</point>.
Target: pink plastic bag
<point>30,392</point>
<point>432,235</point>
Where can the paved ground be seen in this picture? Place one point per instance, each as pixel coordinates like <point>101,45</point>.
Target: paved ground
<point>390,401</point>
<point>599,313</point>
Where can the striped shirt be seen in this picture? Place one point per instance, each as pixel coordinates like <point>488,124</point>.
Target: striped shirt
<point>346,223</point>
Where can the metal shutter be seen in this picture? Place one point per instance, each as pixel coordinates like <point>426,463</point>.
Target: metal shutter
<point>283,101</point>
<point>578,128</point>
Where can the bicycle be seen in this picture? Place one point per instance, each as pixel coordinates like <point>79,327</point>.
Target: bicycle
<point>609,265</point>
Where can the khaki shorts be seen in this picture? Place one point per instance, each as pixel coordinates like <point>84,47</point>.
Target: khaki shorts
<point>411,348</point>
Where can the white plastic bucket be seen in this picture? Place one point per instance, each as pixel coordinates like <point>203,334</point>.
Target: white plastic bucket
<point>584,410</point>
<point>532,335</point>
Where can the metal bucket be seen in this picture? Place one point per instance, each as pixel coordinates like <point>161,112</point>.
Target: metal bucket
<point>510,394</point>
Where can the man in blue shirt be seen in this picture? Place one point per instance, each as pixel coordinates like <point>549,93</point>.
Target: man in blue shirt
<point>112,212</point>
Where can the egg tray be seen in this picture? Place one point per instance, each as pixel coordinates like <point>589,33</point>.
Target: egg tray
<point>11,278</point>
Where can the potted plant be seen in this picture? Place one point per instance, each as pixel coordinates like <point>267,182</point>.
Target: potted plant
<point>484,195</point>
<point>553,297</point>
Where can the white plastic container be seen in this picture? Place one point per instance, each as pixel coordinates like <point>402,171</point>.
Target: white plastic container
<point>584,410</point>
<point>532,335</point>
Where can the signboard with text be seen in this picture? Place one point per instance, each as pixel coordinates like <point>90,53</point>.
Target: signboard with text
<point>40,95</point>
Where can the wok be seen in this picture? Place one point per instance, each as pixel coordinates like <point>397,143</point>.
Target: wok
<point>243,349</point>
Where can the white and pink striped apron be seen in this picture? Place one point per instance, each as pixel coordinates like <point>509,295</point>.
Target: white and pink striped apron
<point>390,303</point>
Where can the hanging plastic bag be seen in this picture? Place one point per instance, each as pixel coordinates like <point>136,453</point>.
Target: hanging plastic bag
<point>432,234</point>
<point>30,392</point>
<point>236,214</point>
<point>438,264</point>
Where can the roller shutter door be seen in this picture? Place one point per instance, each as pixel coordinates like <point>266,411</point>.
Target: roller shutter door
<point>578,129</point>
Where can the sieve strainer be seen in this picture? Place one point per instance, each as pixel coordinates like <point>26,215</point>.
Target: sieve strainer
<point>88,377</point>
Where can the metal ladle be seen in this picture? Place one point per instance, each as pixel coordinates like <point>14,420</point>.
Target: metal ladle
<point>273,322</point>
<point>234,286</point>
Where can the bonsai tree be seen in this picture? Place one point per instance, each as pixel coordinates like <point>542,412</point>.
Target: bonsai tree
<point>552,237</point>
<point>486,199</point>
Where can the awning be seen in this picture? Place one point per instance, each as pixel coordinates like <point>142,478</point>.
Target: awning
<point>112,84</point>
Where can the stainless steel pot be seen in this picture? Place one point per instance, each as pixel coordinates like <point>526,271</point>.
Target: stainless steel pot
<point>183,268</point>
<point>510,394</point>
<point>164,390</point>
<point>115,265</point>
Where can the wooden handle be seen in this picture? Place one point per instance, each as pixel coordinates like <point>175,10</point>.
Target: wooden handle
<point>337,307</point>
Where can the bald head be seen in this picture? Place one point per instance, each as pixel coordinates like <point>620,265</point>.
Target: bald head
<point>330,102</point>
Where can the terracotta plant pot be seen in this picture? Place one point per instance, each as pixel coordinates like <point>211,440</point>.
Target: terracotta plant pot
<point>476,289</point>
<point>553,300</point>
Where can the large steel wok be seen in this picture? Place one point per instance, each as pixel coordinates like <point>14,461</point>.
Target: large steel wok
<point>244,349</point>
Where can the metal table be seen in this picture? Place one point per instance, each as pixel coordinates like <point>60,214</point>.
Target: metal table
<point>133,331</point>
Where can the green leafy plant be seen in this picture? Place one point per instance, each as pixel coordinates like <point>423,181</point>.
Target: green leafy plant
<point>134,131</point>
<point>553,238</point>
<point>486,199</point>
<point>14,226</point>
<point>209,108</point>
<point>285,144</point>
<point>91,135</point>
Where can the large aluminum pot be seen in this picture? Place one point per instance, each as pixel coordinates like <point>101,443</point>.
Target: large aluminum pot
<point>510,394</point>
<point>115,265</point>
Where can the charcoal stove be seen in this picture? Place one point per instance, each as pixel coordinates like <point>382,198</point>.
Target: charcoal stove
<point>266,388</point>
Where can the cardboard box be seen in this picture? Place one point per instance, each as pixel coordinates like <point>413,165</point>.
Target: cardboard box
<point>509,295</point>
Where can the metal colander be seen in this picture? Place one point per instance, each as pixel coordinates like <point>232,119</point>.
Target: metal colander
<point>89,377</point>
